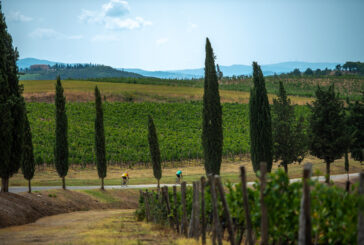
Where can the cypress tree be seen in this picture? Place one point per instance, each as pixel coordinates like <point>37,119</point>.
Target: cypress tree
<point>327,128</point>
<point>260,122</point>
<point>11,108</point>
<point>27,164</point>
<point>283,129</point>
<point>61,146</point>
<point>154,150</point>
<point>100,139</point>
<point>212,137</point>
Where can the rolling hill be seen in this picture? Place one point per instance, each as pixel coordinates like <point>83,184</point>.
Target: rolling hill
<point>233,70</point>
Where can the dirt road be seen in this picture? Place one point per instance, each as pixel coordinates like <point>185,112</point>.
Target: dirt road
<point>117,226</point>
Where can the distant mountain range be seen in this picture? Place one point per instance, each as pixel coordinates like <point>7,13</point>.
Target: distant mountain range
<point>235,70</point>
<point>232,70</point>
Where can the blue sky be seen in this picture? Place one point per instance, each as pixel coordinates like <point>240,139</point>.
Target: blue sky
<point>170,34</point>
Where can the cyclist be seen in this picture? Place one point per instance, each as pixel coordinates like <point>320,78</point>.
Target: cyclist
<point>125,177</point>
<point>179,176</point>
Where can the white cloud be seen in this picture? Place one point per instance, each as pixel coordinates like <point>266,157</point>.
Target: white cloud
<point>117,23</point>
<point>161,41</point>
<point>113,16</point>
<point>48,33</point>
<point>116,8</point>
<point>191,26</point>
<point>18,17</point>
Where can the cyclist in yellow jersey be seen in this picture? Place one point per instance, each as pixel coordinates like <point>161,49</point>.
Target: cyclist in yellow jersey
<point>125,177</point>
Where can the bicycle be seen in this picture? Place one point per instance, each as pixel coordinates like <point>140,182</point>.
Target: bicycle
<point>179,180</point>
<point>125,182</point>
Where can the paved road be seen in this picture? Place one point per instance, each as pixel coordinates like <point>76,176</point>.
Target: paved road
<point>19,189</point>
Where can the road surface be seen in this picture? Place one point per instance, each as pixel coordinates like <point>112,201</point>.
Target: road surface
<point>18,189</point>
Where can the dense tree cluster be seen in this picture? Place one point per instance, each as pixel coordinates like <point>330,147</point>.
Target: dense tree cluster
<point>289,138</point>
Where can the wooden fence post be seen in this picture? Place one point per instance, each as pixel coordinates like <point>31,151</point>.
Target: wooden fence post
<point>226,208</point>
<point>192,219</point>
<point>248,220</point>
<point>154,196</point>
<point>304,234</point>
<point>203,218</point>
<point>175,214</point>
<point>168,206</point>
<point>184,209</point>
<point>264,218</point>
<point>217,229</point>
<point>194,228</point>
<point>361,210</point>
<point>147,207</point>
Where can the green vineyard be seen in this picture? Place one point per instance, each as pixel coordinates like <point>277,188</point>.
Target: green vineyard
<point>178,128</point>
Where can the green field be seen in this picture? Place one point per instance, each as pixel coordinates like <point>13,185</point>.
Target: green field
<point>347,85</point>
<point>178,126</point>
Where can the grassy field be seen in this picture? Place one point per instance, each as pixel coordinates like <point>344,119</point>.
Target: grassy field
<point>82,91</point>
<point>346,85</point>
<point>192,171</point>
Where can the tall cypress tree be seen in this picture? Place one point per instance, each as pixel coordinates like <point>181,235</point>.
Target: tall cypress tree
<point>61,146</point>
<point>100,138</point>
<point>260,122</point>
<point>327,128</point>
<point>28,166</point>
<point>212,137</point>
<point>154,150</point>
<point>11,108</point>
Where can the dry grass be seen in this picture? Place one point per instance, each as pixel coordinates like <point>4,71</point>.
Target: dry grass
<point>82,91</point>
<point>192,170</point>
<point>91,227</point>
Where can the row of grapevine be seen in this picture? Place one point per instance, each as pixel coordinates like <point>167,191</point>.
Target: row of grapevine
<point>178,127</point>
<point>333,212</point>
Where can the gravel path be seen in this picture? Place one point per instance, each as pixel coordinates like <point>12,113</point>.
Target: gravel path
<point>18,189</point>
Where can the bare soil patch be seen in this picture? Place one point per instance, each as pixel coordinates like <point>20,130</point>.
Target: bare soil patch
<point>18,209</point>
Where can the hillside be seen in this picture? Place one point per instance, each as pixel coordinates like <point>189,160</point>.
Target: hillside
<point>75,72</point>
<point>232,70</point>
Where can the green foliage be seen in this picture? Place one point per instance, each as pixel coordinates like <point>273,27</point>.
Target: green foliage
<point>77,71</point>
<point>179,128</point>
<point>260,122</point>
<point>356,121</point>
<point>28,164</point>
<point>100,136</point>
<point>6,125</point>
<point>154,149</point>
<point>11,107</point>
<point>61,144</point>
<point>212,133</point>
<point>289,140</point>
<point>334,212</point>
<point>327,126</point>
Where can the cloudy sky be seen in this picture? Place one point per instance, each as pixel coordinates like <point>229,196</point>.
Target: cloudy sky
<point>170,34</point>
